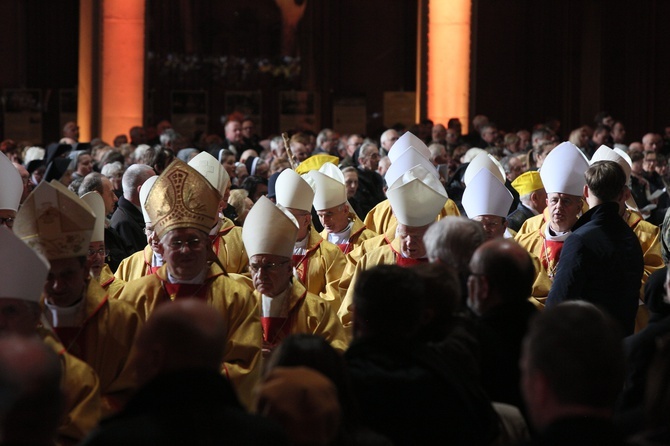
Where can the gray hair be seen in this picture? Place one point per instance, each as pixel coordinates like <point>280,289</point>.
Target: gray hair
<point>167,137</point>
<point>111,169</point>
<point>453,240</point>
<point>91,183</point>
<point>135,176</point>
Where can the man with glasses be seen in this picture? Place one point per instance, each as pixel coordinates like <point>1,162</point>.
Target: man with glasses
<point>96,329</point>
<point>97,252</point>
<point>318,263</point>
<point>11,190</point>
<point>487,201</point>
<point>388,138</point>
<point>416,199</point>
<point>370,183</point>
<point>148,260</point>
<point>544,235</point>
<point>286,306</point>
<point>182,207</point>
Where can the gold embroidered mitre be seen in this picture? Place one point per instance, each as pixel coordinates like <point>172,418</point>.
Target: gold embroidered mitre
<point>182,198</point>
<point>55,222</point>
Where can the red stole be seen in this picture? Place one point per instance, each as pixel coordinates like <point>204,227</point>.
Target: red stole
<point>300,263</point>
<point>406,262</point>
<point>550,255</point>
<point>73,339</point>
<point>274,330</point>
<point>344,247</point>
<point>181,290</point>
<point>153,269</point>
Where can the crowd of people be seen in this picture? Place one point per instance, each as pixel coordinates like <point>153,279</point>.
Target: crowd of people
<point>425,287</point>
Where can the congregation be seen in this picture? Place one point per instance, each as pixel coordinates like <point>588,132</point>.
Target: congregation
<point>423,287</point>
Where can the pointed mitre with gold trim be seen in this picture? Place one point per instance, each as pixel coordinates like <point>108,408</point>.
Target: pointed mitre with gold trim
<point>182,198</point>
<point>55,222</point>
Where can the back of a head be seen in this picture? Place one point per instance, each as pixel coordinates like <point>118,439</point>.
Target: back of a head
<point>508,268</point>
<point>91,183</point>
<point>387,297</point>
<point>313,351</point>
<point>133,177</point>
<point>304,402</point>
<point>453,240</point>
<point>33,373</point>
<point>578,349</point>
<point>443,299</point>
<point>606,180</point>
<point>189,333</point>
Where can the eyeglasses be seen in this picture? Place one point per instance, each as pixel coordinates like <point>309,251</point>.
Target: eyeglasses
<point>9,222</point>
<point>101,252</point>
<point>255,268</point>
<point>193,244</point>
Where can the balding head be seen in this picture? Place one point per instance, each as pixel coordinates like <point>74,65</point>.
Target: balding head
<point>181,335</point>
<point>32,401</point>
<point>507,270</point>
<point>453,240</point>
<point>133,178</point>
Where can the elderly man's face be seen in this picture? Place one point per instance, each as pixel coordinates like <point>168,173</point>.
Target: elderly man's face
<point>96,257</point>
<point>370,161</point>
<point>335,219</point>
<point>564,210</point>
<point>300,151</point>
<point>271,274</point>
<point>234,132</point>
<point>411,240</point>
<point>185,252</point>
<point>494,226</point>
<point>66,282</point>
<point>108,195</point>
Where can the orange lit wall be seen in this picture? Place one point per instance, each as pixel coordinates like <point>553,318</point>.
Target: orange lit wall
<point>448,88</point>
<point>122,73</point>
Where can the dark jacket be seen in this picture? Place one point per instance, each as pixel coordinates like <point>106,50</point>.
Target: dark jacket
<point>411,394</point>
<point>193,407</point>
<point>602,263</point>
<point>370,189</point>
<point>128,222</point>
<point>117,247</point>
<point>579,431</point>
<point>521,214</point>
<point>500,332</point>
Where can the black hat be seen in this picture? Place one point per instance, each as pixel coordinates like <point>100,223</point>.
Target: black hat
<point>56,169</point>
<point>271,185</point>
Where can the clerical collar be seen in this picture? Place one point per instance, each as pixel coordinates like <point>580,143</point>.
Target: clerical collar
<point>276,306</point>
<point>71,316</point>
<point>554,236</point>
<point>200,278</point>
<point>300,246</point>
<point>341,237</point>
<point>217,226</point>
<point>157,260</point>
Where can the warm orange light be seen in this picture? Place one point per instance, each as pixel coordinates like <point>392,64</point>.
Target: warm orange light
<point>122,66</point>
<point>448,91</point>
<point>85,82</point>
